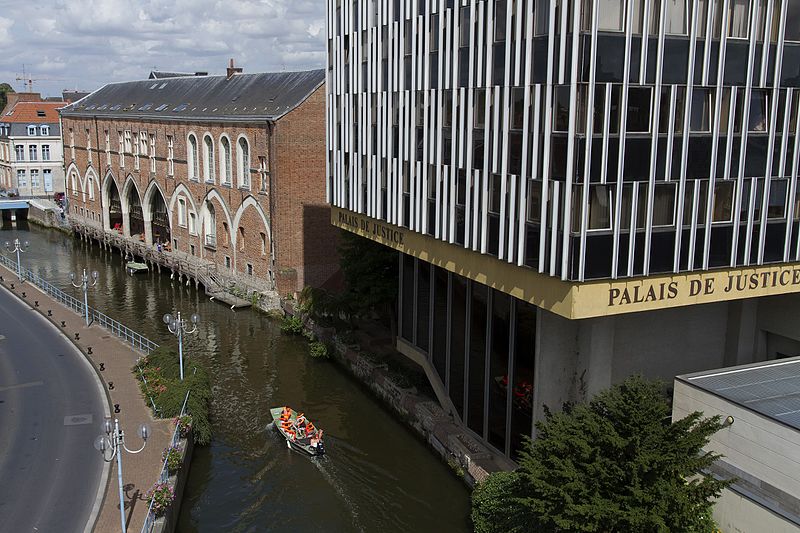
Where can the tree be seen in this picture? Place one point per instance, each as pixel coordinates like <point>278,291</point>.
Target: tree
<point>370,270</point>
<point>4,88</point>
<point>617,463</point>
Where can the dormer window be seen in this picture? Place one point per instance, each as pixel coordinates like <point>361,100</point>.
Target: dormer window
<point>40,113</point>
<point>44,130</point>
<point>31,130</point>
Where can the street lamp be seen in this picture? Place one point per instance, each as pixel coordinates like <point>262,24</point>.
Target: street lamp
<point>85,283</point>
<point>177,326</point>
<point>114,441</point>
<point>18,248</point>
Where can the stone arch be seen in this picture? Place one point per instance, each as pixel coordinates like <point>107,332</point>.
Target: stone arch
<point>182,191</point>
<point>111,201</point>
<point>157,216</point>
<point>211,218</point>
<point>257,233</point>
<point>132,206</point>
<point>73,178</point>
<point>90,184</point>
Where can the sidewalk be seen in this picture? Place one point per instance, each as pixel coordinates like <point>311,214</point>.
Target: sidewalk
<point>139,471</point>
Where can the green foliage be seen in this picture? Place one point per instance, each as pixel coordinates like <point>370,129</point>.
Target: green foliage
<point>292,325</point>
<point>173,457</point>
<point>162,370</point>
<point>617,463</point>
<point>161,496</point>
<point>184,424</point>
<point>324,307</point>
<point>318,350</point>
<point>370,270</point>
<point>4,89</point>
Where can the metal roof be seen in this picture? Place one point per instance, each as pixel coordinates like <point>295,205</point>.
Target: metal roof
<point>266,96</point>
<point>770,389</point>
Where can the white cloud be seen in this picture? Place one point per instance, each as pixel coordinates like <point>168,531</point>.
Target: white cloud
<point>85,44</point>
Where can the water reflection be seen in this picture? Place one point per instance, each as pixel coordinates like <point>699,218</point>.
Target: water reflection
<point>377,476</point>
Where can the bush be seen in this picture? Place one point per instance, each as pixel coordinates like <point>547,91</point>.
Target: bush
<point>160,496</point>
<point>184,425</point>
<point>292,325</point>
<point>162,371</point>
<point>173,457</point>
<point>318,350</point>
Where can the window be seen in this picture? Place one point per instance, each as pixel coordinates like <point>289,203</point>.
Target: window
<point>703,16</point>
<point>181,212</point>
<point>170,156</point>
<point>249,269</point>
<point>663,204</point>
<point>241,239</point>
<point>136,148</point>
<point>22,180</point>
<point>193,223</point>
<point>227,262</point>
<point>759,115</point>
<point>610,15</point>
<point>777,199</point>
<point>225,172</point>
<point>19,150</point>
<point>45,152</point>
<point>700,119</point>
<point>263,243</point>
<point>243,162</point>
<point>561,112</point>
<point>542,17</point>
<point>600,207</point>
<point>143,144</point>
<point>90,187</point>
<point>108,149</point>
<point>44,130</point>
<point>263,171</point>
<point>208,159</point>
<point>792,22</point>
<point>89,146</point>
<point>193,162</point>
<point>32,152</point>
<point>31,130</point>
<point>638,118</point>
<point>738,18</point>
<point>674,16</point>
<point>121,149</point>
<point>128,143</point>
<point>153,153</point>
<point>47,174</point>
<point>72,143</point>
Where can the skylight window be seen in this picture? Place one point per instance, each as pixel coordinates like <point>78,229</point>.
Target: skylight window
<point>162,107</point>
<point>115,108</point>
<point>162,85</point>
<point>91,107</point>
<point>102,107</point>
<point>145,107</point>
<point>154,86</point>
<point>180,108</point>
<point>40,113</point>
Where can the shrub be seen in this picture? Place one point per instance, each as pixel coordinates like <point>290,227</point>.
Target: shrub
<point>184,425</point>
<point>173,457</point>
<point>160,498</point>
<point>292,325</point>
<point>318,350</point>
<point>164,386</point>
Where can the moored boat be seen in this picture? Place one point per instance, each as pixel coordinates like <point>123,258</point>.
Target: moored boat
<point>133,267</point>
<point>298,431</point>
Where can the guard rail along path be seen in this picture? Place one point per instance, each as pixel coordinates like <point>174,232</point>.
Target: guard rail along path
<point>125,392</point>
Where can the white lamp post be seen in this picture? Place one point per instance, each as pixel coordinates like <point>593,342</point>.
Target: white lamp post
<point>18,248</point>
<point>178,326</point>
<point>114,441</point>
<point>85,283</point>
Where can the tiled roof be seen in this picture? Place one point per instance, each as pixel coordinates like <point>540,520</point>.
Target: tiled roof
<point>266,96</point>
<point>33,112</point>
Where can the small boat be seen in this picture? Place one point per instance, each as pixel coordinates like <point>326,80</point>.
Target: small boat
<point>294,433</point>
<point>133,267</point>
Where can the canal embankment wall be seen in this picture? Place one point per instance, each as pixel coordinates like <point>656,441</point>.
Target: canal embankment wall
<point>112,360</point>
<point>469,458</point>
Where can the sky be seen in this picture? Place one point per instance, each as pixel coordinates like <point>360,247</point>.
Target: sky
<point>83,44</point>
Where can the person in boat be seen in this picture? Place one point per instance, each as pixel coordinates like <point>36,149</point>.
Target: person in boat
<point>286,414</point>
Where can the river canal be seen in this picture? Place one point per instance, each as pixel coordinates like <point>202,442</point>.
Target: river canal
<point>376,477</point>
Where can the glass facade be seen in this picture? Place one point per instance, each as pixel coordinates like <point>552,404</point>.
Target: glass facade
<point>481,342</point>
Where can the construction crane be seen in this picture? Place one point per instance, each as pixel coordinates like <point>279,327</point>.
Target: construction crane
<point>28,80</point>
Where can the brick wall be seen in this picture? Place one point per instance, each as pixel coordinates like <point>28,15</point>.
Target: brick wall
<point>304,240</point>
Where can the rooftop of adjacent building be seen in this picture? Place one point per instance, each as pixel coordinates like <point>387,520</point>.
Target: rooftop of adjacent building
<point>770,389</point>
<point>32,112</point>
<point>162,74</point>
<point>234,96</point>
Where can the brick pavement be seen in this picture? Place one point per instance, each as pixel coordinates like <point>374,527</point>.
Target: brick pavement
<point>139,471</point>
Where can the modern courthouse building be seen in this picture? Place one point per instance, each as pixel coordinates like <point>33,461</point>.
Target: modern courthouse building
<point>227,171</point>
<point>580,190</point>
<point>31,154</point>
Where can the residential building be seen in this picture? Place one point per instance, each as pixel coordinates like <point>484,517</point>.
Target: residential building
<point>759,443</point>
<point>31,154</point>
<point>579,191</point>
<point>229,170</point>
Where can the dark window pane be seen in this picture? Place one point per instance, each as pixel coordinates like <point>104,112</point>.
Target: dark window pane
<point>498,370</point>
<point>458,331</point>
<point>407,300</point>
<point>522,376</point>
<point>477,357</point>
<point>439,347</point>
<point>423,305</point>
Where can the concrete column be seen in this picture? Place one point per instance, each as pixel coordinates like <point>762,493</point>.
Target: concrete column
<point>556,362</point>
<point>126,222</point>
<point>742,332</point>
<point>148,228</point>
<point>596,357</point>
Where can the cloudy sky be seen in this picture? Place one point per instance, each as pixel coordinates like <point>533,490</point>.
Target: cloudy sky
<point>82,44</point>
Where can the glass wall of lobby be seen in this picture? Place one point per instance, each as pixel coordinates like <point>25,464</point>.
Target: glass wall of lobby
<point>481,343</point>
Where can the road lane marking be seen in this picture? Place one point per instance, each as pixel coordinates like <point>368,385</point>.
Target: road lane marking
<point>22,386</point>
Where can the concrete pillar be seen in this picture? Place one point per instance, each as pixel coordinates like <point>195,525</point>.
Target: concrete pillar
<point>126,223</point>
<point>596,357</point>
<point>148,229</point>
<point>742,332</point>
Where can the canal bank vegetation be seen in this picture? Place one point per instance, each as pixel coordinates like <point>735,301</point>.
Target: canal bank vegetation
<point>159,379</point>
<point>617,463</point>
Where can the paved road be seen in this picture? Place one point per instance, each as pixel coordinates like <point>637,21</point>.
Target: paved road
<point>51,410</point>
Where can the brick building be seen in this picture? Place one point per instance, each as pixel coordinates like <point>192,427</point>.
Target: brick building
<point>228,169</point>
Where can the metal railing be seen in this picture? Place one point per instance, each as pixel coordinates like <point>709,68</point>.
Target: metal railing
<point>163,476</point>
<point>137,341</point>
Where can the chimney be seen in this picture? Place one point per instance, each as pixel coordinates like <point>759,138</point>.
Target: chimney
<point>233,70</point>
